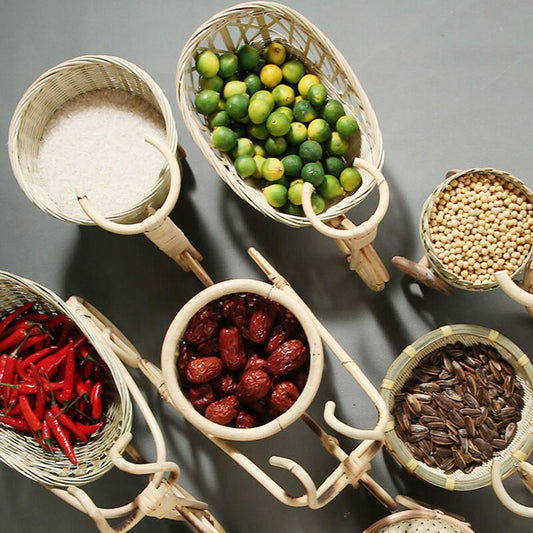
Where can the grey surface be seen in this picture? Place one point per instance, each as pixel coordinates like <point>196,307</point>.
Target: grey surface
<point>451,85</point>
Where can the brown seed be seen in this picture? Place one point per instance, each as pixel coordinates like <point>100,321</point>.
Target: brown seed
<point>414,405</point>
<point>429,387</point>
<point>442,401</point>
<point>510,432</point>
<point>442,451</point>
<point>469,411</point>
<point>499,444</point>
<point>470,426</point>
<point>484,447</point>
<point>456,418</point>
<point>458,370</point>
<point>471,384</point>
<point>454,396</point>
<point>417,429</point>
<point>437,425</point>
<point>459,459</point>
<point>482,417</point>
<point>471,401</point>
<point>486,433</point>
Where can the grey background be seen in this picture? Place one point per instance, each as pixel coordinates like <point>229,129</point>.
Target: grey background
<point>451,85</point>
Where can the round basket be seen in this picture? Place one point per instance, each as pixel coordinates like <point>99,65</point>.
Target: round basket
<point>450,277</point>
<point>401,370</point>
<point>21,452</point>
<point>258,23</point>
<point>169,356</point>
<point>50,92</point>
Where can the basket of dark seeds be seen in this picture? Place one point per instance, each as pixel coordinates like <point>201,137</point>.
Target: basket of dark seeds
<point>460,398</point>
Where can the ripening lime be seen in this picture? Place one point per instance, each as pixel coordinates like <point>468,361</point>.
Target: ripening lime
<point>276,195</point>
<point>228,65</point>
<point>313,173</point>
<point>264,95</point>
<point>224,139</point>
<point>304,111</point>
<point>206,101</point>
<point>275,53</point>
<point>318,203</point>
<point>219,118</point>
<point>258,111</point>
<point>270,75</point>
<point>283,95</point>
<point>310,151</point>
<point>287,111</point>
<point>248,57</point>
<point>259,160</point>
<point>305,82</point>
<point>293,165</point>
<point>272,169</point>
<point>330,188</point>
<point>278,124</point>
<point>334,166</point>
<point>282,181</point>
<point>259,149</point>
<point>293,71</point>
<point>216,83</point>
<point>207,64</point>
<point>347,126</point>
<point>244,147</point>
<point>337,144</point>
<point>275,146</point>
<point>350,179</point>
<point>332,111</point>
<point>295,192</point>
<point>245,166</point>
<point>237,106</point>
<point>317,94</point>
<point>292,209</point>
<point>297,134</point>
<point>258,131</point>
<point>233,87</point>
<point>318,130</point>
<point>253,84</point>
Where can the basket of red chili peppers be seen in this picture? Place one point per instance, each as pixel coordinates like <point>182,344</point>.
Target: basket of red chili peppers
<point>63,402</point>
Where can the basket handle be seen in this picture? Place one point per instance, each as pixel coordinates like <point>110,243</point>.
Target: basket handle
<point>157,226</point>
<point>515,292</point>
<point>421,272</point>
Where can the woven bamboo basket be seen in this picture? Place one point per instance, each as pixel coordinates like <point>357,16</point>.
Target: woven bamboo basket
<point>258,23</point>
<point>507,460</point>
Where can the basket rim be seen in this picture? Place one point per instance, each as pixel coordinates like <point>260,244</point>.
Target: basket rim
<point>424,230</point>
<point>396,446</point>
<point>165,110</point>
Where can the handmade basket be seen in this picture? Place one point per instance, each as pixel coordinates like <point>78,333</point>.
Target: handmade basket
<point>518,449</point>
<point>21,452</point>
<point>50,92</point>
<point>258,23</point>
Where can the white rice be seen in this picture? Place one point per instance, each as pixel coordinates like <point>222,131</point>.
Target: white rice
<point>96,142</point>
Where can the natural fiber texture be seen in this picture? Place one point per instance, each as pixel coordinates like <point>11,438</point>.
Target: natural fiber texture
<point>431,254</point>
<point>259,23</point>
<point>401,370</point>
<point>50,92</point>
<point>22,452</point>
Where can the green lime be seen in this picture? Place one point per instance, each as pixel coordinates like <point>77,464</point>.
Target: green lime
<point>244,120</point>
<point>347,126</point>
<point>317,94</point>
<point>282,181</point>
<point>216,83</point>
<point>266,96</point>
<point>253,84</point>
<point>304,111</point>
<point>350,179</point>
<point>207,64</point>
<point>287,111</point>
<point>313,173</point>
<point>310,151</point>
<point>275,146</point>
<point>258,111</point>
<point>259,160</point>
<point>295,192</point>
<point>276,195</point>
<point>224,139</point>
<point>275,53</point>
<point>244,147</point>
<point>305,82</point>
<point>206,101</point>
<point>248,57</point>
<point>337,144</point>
<point>233,87</point>
<point>292,165</point>
<point>258,131</point>
<point>237,106</point>
<point>228,65</point>
<point>330,188</point>
<point>293,71</point>
<point>283,95</point>
<point>334,166</point>
<point>318,130</point>
<point>292,209</point>
<point>270,75</point>
<point>297,134</point>
<point>272,169</point>
<point>278,124</point>
<point>219,118</point>
<point>260,64</point>
<point>332,111</point>
<point>245,166</point>
<point>318,203</point>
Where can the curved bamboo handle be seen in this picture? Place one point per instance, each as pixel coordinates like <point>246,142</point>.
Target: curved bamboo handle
<point>421,273</point>
<point>512,290</point>
<point>503,495</point>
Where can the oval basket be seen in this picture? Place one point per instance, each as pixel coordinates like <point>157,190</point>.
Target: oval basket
<point>258,23</point>
<point>21,452</point>
<point>50,92</point>
<point>170,353</point>
<point>401,370</point>
<point>424,230</point>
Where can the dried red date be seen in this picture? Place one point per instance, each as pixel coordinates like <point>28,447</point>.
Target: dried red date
<point>298,377</point>
<point>203,369</point>
<point>254,385</point>
<point>245,420</point>
<point>232,348</point>
<point>255,363</point>
<point>223,411</point>
<point>224,384</point>
<point>203,325</point>
<point>209,347</point>
<point>262,320</point>
<point>235,310</point>
<point>201,396</point>
<point>186,355</point>
<point>288,356</point>
<point>283,397</point>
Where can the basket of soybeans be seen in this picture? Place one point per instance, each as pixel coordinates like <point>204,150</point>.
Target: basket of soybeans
<point>280,115</point>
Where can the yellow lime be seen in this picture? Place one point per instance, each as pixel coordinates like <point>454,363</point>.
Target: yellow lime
<point>270,75</point>
<point>350,179</point>
<point>292,165</point>
<point>332,111</point>
<point>219,118</point>
<point>253,84</point>
<point>287,111</point>
<point>245,166</point>
<point>244,147</point>
<point>248,57</point>
<point>304,111</point>
<point>317,94</point>
<point>337,144</point>
<point>334,166</point>
<point>313,173</point>
<point>295,192</point>
<point>216,83</point>
<point>224,139</point>
<point>264,95</point>
<point>207,64</point>
<point>275,53</point>
<point>305,82</point>
<point>297,134</point>
<point>206,101</point>
<point>347,126</point>
<point>293,71</point>
<point>233,87</point>
<point>278,124</point>
<point>318,203</point>
<point>259,149</point>
<point>310,151</point>
<point>258,131</point>
<point>276,195</point>
<point>330,188</point>
<point>272,169</point>
<point>283,95</point>
<point>237,106</point>
<point>259,160</point>
<point>228,65</point>
<point>258,111</point>
<point>318,130</point>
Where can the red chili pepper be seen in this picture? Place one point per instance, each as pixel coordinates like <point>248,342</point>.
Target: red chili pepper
<point>88,429</point>
<point>23,364</point>
<point>35,340</point>
<point>3,362</point>
<point>96,400</point>
<point>55,321</point>
<point>46,436</point>
<point>29,414</point>
<point>48,366</point>
<point>17,423</point>
<point>9,375</point>
<point>70,369</point>
<point>88,369</point>
<point>11,317</point>
<point>81,389</point>
<point>61,436</point>
<point>13,339</point>
<point>40,400</point>
<point>27,387</point>
<point>67,422</point>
